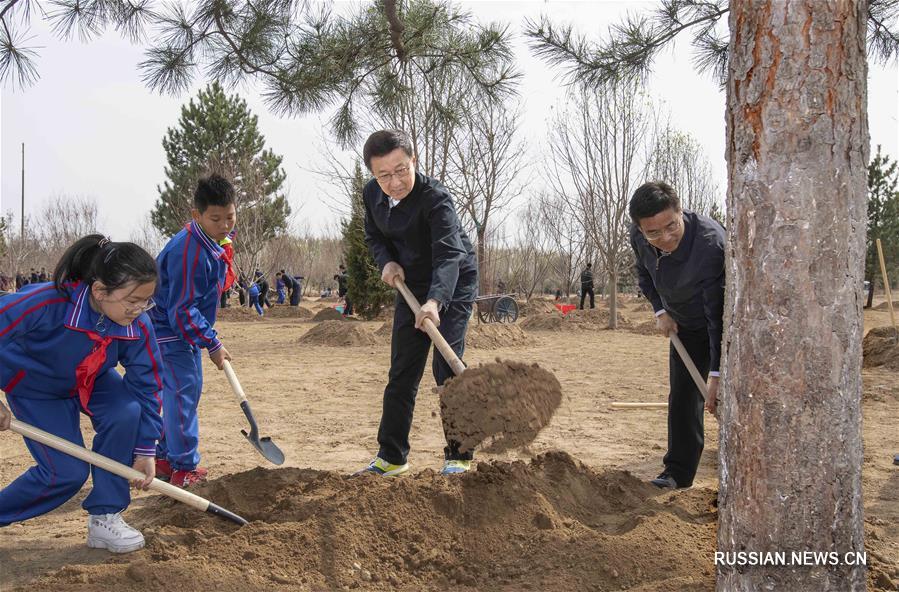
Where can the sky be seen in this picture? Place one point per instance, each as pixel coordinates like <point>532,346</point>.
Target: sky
<point>92,129</point>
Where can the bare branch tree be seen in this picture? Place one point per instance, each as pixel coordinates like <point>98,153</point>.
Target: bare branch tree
<point>599,148</point>
<point>487,159</point>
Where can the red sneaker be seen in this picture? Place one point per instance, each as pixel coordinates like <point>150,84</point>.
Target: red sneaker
<point>187,478</point>
<point>164,470</point>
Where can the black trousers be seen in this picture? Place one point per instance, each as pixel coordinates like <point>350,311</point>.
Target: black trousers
<point>686,436</point>
<point>408,356</point>
<point>348,304</point>
<point>295,297</point>
<point>584,293</point>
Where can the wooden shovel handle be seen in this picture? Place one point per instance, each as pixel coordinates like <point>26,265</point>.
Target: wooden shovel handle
<point>639,405</point>
<point>107,464</point>
<point>232,380</point>
<point>886,284</point>
<point>431,329</point>
<point>691,367</point>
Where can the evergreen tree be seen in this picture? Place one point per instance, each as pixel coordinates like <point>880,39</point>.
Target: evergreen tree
<point>218,133</point>
<point>366,290</point>
<point>883,216</point>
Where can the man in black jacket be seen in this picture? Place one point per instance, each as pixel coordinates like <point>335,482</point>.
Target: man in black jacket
<point>680,267</point>
<point>587,286</point>
<point>414,233</point>
<point>343,286</point>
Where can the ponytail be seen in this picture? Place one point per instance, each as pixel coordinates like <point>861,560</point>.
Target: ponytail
<point>96,258</point>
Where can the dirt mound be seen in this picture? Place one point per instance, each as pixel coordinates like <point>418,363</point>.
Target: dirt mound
<point>338,334</point>
<point>551,524</point>
<point>576,320</point>
<point>499,406</point>
<point>240,314</point>
<point>496,336</point>
<point>544,321</point>
<point>645,328</point>
<point>281,311</point>
<point>595,318</point>
<point>641,306</point>
<point>328,314</point>
<point>385,331</point>
<point>886,306</point>
<point>880,347</point>
<point>535,307</point>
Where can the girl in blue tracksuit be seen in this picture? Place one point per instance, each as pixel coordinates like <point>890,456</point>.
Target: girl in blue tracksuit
<point>60,343</point>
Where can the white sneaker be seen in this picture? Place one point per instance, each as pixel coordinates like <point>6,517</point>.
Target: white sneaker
<point>110,531</point>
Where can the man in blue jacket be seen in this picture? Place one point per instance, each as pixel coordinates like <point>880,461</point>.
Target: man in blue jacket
<point>194,269</point>
<point>680,267</point>
<point>414,233</point>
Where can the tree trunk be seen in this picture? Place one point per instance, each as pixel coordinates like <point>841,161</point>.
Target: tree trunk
<point>790,423</point>
<point>483,280</point>
<point>613,299</point>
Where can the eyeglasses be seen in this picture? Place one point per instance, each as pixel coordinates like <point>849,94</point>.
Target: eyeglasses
<point>670,229</point>
<point>388,177</point>
<point>136,309</point>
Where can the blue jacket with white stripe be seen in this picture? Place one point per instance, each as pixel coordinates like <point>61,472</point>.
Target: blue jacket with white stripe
<point>191,279</point>
<point>46,334</point>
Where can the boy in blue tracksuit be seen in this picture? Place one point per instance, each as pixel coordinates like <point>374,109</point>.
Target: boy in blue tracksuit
<point>59,346</point>
<point>194,268</point>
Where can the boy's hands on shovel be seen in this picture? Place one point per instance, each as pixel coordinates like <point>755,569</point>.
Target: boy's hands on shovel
<point>147,466</point>
<point>429,310</point>
<point>219,356</point>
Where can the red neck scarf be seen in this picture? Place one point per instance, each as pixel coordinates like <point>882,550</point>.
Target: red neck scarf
<point>86,372</point>
<point>228,258</point>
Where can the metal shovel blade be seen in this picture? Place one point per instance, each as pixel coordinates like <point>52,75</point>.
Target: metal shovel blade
<point>264,445</point>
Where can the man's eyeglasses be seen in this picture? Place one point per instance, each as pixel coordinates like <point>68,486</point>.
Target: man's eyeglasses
<point>388,177</point>
<point>670,229</point>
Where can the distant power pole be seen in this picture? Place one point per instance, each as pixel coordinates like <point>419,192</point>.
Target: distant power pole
<point>23,192</point>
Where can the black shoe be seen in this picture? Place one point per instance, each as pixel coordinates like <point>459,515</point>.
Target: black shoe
<point>664,481</point>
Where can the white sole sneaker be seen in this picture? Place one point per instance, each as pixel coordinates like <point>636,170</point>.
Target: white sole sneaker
<point>97,543</point>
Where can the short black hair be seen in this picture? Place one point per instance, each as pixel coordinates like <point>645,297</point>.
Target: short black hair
<point>214,190</point>
<point>383,142</point>
<point>589,265</point>
<point>651,198</point>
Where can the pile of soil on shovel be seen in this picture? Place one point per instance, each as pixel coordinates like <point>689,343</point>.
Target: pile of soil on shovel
<point>500,406</point>
<point>338,334</point>
<point>880,347</point>
<point>238,314</point>
<point>496,336</point>
<point>328,314</point>
<point>550,524</point>
<point>282,311</point>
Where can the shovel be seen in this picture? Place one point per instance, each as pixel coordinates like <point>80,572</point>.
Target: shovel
<point>116,468</point>
<point>265,446</point>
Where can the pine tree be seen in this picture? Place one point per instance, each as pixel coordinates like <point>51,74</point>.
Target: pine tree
<point>218,133</point>
<point>366,290</point>
<point>883,216</point>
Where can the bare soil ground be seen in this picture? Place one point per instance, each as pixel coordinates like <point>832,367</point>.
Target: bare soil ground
<point>572,512</point>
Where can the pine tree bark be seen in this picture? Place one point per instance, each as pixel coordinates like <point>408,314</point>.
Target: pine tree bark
<point>790,423</point>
